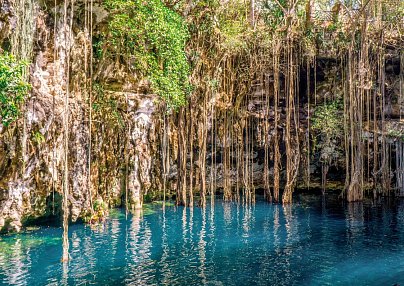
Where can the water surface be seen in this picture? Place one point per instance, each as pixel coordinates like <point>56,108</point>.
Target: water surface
<point>312,242</point>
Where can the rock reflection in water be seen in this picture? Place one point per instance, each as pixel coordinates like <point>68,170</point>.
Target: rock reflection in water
<point>318,242</point>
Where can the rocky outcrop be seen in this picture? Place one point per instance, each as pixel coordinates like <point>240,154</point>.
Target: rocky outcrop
<point>119,133</point>
<point>32,150</point>
<point>141,137</point>
<point>7,19</point>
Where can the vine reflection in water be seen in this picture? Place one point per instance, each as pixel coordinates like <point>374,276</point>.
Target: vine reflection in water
<point>314,242</point>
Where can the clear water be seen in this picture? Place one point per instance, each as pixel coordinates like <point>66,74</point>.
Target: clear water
<point>310,243</point>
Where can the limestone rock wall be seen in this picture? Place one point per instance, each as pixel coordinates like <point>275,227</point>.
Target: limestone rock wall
<point>32,149</point>
<point>116,153</point>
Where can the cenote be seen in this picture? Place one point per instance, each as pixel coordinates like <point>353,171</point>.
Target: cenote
<point>311,242</point>
<point>289,113</point>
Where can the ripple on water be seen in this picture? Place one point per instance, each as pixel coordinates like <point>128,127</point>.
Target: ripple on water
<point>310,243</point>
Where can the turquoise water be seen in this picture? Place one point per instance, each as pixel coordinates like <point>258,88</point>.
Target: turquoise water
<point>313,242</point>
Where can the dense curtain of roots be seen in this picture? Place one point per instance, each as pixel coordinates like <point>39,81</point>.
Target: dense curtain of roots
<point>228,129</point>
<point>213,139</point>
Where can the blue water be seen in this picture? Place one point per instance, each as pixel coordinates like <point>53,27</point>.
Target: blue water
<point>312,242</point>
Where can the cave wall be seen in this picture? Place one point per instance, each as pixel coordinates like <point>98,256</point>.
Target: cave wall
<point>128,131</point>
<point>325,85</point>
<point>32,149</point>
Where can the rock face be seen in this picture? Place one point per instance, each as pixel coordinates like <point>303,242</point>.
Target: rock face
<point>7,19</point>
<point>140,158</point>
<point>118,135</point>
<point>32,151</point>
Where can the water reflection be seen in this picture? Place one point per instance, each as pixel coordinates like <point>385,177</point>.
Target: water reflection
<point>138,270</point>
<point>18,262</point>
<point>164,263</point>
<point>227,213</point>
<point>202,248</point>
<point>247,220</point>
<point>355,223</point>
<point>226,243</point>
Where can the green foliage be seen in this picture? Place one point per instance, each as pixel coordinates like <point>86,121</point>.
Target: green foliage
<point>328,128</point>
<point>38,137</point>
<point>106,107</point>
<point>97,47</point>
<point>13,88</point>
<point>234,26</point>
<point>398,134</point>
<point>152,38</point>
<point>100,205</point>
<point>99,212</point>
<point>393,14</point>
<point>327,119</point>
<point>273,13</point>
<point>148,198</point>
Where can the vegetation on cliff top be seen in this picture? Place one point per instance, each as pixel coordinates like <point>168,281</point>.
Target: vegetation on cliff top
<point>151,38</point>
<point>13,88</point>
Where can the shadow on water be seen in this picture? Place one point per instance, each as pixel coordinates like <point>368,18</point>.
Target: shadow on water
<point>312,242</point>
